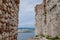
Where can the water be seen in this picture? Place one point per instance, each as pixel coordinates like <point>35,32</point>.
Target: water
<point>25,36</point>
<point>27,33</point>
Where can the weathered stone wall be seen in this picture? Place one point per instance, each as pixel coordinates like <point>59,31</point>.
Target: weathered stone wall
<point>38,18</point>
<point>48,20</point>
<point>8,19</point>
<point>53,17</point>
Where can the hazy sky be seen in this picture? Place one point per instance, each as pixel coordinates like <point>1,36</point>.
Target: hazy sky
<point>26,13</point>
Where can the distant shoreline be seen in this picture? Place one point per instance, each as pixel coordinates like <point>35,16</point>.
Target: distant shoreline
<point>25,30</point>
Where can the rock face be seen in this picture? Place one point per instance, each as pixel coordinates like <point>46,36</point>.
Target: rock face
<point>48,18</point>
<point>53,17</point>
<point>8,19</point>
<point>38,17</point>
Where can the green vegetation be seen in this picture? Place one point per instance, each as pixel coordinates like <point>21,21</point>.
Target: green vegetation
<point>48,37</point>
<point>37,36</point>
<point>52,38</point>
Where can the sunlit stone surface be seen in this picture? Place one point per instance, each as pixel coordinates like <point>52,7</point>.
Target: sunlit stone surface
<point>48,18</point>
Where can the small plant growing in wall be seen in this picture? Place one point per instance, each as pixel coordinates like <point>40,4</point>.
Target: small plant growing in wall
<point>52,38</point>
<point>37,36</point>
<point>48,37</point>
<point>42,35</point>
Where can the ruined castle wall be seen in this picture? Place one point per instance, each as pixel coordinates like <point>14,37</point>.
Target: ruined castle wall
<point>38,17</point>
<point>8,19</point>
<point>48,20</point>
<point>53,17</point>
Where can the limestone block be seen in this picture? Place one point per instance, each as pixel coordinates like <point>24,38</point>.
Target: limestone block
<point>0,2</point>
<point>0,36</point>
<point>0,25</point>
<point>6,15</point>
<point>3,20</point>
<point>7,39</point>
<point>15,28</point>
<point>0,12</point>
<point>3,34</point>
<point>10,5</point>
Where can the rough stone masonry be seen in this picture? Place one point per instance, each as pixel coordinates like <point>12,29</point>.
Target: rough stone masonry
<point>48,18</point>
<point>9,19</point>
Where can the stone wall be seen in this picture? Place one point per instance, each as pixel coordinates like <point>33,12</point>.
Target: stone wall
<point>48,20</point>
<point>38,18</point>
<point>53,17</point>
<point>9,19</point>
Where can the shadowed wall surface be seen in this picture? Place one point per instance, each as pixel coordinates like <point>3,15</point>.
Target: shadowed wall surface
<point>9,19</point>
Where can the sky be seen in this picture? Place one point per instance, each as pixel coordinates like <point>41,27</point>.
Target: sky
<point>27,13</point>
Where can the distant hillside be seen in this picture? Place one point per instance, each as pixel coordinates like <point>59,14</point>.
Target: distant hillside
<point>24,30</point>
<point>27,28</point>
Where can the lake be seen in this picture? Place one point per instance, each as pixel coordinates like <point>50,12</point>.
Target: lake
<point>25,35</point>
